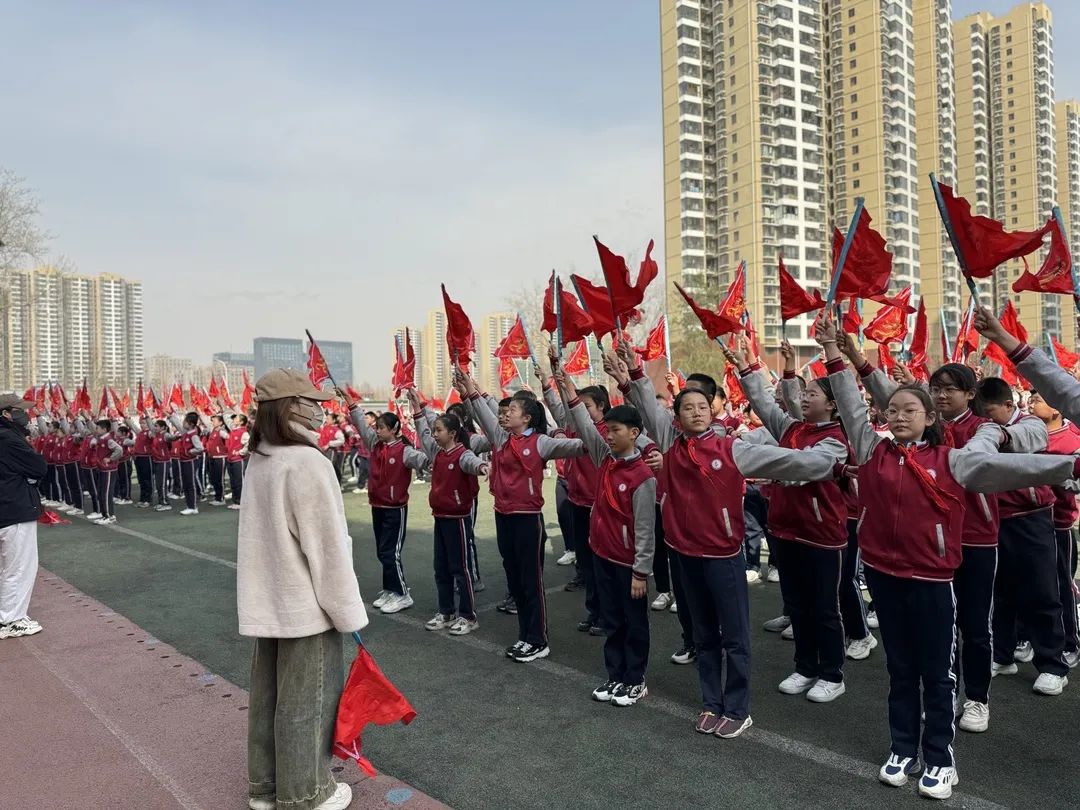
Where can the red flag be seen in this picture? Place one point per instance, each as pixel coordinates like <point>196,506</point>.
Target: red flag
<point>118,403</point>
<point>213,389</point>
<point>1055,275</point>
<point>576,323</point>
<point>368,697</point>
<point>176,397</point>
<point>40,399</point>
<point>460,338</point>
<point>139,407</point>
<point>794,300</point>
<point>714,323</point>
<point>1011,321</point>
<point>55,394</point>
<point>595,302</point>
<point>1066,359</point>
<point>624,296</point>
<point>125,403</point>
<point>852,322</point>
<point>103,406</point>
<point>404,375</point>
<point>731,384</point>
<point>223,392</point>
<point>30,394</point>
<point>983,243</point>
<point>507,372</point>
<point>452,397</point>
<point>868,265</point>
<point>354,395</point>
<point>63,395</point>
<point>578,361</point>
<point>656,342</point>
<point>82,399</point>
<point>817,369</point>
<point>885,358</point>
<point>318,370</point>
<point>733,306</point>
<point>515,344</point>
<point>890,324</point>
<point>248,396</point>
<point>920,340</point>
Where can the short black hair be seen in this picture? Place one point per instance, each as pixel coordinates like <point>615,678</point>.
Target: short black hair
<point>598,394</point>
<point>704,383</point>
<point>958,374</point>
<point>995,391</point>
<point>104,423</point>
<point>687,392</point>
<point>524,395</point>
<point>624,415</point>
<point>505,402</point>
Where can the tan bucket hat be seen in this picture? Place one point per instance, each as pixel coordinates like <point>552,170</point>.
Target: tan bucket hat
<point>281,383</point>
<point>8,401</point>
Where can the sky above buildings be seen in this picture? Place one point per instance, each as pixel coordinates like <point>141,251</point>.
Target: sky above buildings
<point>264,167</point>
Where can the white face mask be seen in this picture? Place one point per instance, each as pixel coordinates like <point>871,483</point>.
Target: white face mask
<point>308,413</point>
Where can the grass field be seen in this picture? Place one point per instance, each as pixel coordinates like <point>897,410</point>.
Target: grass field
<point>495,734</point>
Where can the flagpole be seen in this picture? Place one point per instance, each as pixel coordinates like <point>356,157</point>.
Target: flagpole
<point>558,316</point>
<point>947,222</point>
<point>667,342</point>
<point>329,373</point>
<point>581,300</point>
<point>944,331</point>
<point>1072,265</point>
<point>528,340</point>
<point>848,239</point>
<point>1050,346</point>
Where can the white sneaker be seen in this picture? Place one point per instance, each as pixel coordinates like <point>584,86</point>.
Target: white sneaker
<point>773,575</point>
<point>789,633</point>
<point>1002,669</point>
<point>94,516</point>
<point>75,511</point>
<point>260,803</point>
<point>173,496</point>
<point>341,799</point>
<point>777,625</point>
<point>859,649</point>
<point>381,599</point>
<point>1024,653</point>
<point>189,511</point>
<point>20,627</point>
<point>897,769</point>
<point>217,503</point>
<point>397,603</point>
<point>360,490</point>
<point>568,558</point>
<point>105,521</point>
<point>976,717</point>
<point>163,507</point>
<point>1072,659</point>
<point>1049,684</point>
<point>674,606</point>
<point>937,782</point>
<point>826,691</point>
<point>871,620</point>
<point>753,576</point>
<point>662,601</point>
<point>463,626</point>
<point>234,506</point>
<point>796,684</point>
<point>439,621</point>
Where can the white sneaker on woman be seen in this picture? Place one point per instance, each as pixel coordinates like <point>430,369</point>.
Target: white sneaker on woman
<point>397,603</point>
<point>341,799</point>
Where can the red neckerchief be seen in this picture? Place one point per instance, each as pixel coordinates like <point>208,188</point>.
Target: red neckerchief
<point>516,437</point>
<point>609,493</point>
<point>926,481</point>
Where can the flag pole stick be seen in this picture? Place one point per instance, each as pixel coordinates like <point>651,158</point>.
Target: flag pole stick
<point>848,239</point>
<point>944,331</point>
<point>667,341</point>
<point>581,300</point>
<point>1072,265</point>
<point>947,222</point>
<point>558,317</point>
<point>1050,349</point>
<point>528,340</point>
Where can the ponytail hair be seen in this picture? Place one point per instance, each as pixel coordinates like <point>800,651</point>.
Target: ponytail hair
<point>535,411</point>
<point>934,433</point>
<point>391,422</point>
<point>599,395</point>
<point>826,388</point>
<point>452,425</point>
<point>468,429</point>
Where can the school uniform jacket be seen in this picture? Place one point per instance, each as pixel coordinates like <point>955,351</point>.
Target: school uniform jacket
<point>1064,441</point>
<point>391,467</point>
<point>454,472</point>
<point>912,502</point>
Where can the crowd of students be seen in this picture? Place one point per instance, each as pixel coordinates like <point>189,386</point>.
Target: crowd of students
<point>946,500</point>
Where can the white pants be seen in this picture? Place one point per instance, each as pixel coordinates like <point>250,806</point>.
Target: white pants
<point>18,567</point>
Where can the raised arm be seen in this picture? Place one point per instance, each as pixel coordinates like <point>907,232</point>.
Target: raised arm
<point>586,431</point>
<point>1058,387</point>
<point>359,420</point>
<point>849,402</point>
<point>815,463</point>
<point>487,420</point>
<point>764,403</point>
<point>999,472</point>
<point>640,392</point>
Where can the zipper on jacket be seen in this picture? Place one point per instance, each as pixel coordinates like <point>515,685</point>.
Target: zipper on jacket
<point>862,517</point>
<point>391,492</point>
<point>530,486</point>
<point>985,507</point>
<point>897,510</point>
<point>727,521</point>
<point>625,538</point>
<point>817,511</point>
<point>1033,494</point>
<point>457,498</point>
<point>940,539</point>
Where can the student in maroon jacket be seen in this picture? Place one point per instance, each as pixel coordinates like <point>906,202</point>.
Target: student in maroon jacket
<point>160,460</point>
<point>392,462</point>
<point>236,451</point>
<point>186,447</point>
<point>454,487</point>
<point>1064,440</point>
<point>216,452</point>
<point>108,453</point>
<point>623,540</point>
<point>519,454</point>
<point>912,506</point>
<point>807,522</point>
<point>144,467</point>
<point>1026,586</point>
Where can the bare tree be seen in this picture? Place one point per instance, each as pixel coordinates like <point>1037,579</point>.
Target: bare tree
<point>21,236</point>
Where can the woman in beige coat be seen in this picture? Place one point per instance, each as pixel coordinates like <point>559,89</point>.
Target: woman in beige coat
<point>296,593</point>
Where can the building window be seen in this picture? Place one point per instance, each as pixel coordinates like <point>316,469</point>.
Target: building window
<point>851,30</point>
<point>854,183</point>
<point>854,97</point>
<point>851,64</point>
<point>851,12</point>
<point>853,81</point>
<point>851,47</point>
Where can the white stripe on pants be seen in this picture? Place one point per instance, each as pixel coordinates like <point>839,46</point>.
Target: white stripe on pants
<point>18,567</point>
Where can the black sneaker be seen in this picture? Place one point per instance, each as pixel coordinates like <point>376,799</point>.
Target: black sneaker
<point>528,653</point>
<point>596,630</point>
<point>604,692</point>
<point>628,695</point>
<point>583,626</point>
<point>512,650</point>
<point>576,584</point>
<point>507,605</point>
<point>686,655</point>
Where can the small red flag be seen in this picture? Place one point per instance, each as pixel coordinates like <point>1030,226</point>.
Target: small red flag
<point>507,372</point>
<point>55,394</point>
<point>625,296</point>
<point>452,397</point>
<point>40,400</point>
<point>103,406</point>
<point>354,395</point>
<point>176,397</point>
<point>890,324</point>
<point>1066,359</point>
<point>1055,275</point>
<point>404,374</point>
<point>983,243</point>
<point>460,337</point>
<point>248,396</point>
<point>515,344</point>
<point>885,358</point>
<point>656,342</point>
<point>576,323</point>
<point>714,323</point>
<point>578,361</point>
<point>731,384</point>
<point>733,306</point>
<point>213,389</point>
<point>1010,319</point>
<point>118,403</point>
<point>139,399</point>
<point>852,321</point>
<point>920,340</point>
<point>868,265</point>
<point>318,370</point>
<point>595,302</point>
<point>817,369</point>
<point>794,300</point>
<point>223,392</point>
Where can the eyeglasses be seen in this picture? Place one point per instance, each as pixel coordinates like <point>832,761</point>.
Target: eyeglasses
<point>906,415</point>
<point>947,390</point>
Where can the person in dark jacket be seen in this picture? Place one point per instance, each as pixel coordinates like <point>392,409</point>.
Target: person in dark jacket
<point>21,467</point>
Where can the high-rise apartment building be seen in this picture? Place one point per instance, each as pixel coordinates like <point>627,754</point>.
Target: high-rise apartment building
<point>492,329</point>
<point>435,371</point>
<point>66,327</point>
<point>1067,114</point>
<point>162,370</point>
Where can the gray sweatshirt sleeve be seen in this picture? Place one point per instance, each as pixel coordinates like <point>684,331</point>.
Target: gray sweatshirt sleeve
<point>556,406</point>
<point>879,385</point>
<point>586,431</point>
<point>1059,388</point>
<point>1001,472</point>
<point>414,459</point>
<point>783,464</point>
<point>551,447</point>
<point>115,451</point>
<point>359,420</point>
<point>1027,434</point>
<point>492,403</point>
<point>479,444</point>
<point>764,404</point>
<point>488,422</point>
<point>657,421</point>
<point>644,501</point>
<point>852,408</point>
<point>427,441</point>
<point>196,444</point>
<point>759,435</point>
<point>472,463</point>
<point>791,393</point>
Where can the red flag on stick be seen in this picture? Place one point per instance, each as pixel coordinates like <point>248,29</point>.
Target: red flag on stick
<point>733,306</point>
<point>507,372</point>
<point>176,397</point>
<point>868,265</point>
<point>885,358</point>
<point>578,362</point>
<point>715,324</point>
<point>318,370</point>
<point>213,391</point>
<point>139,400</point>
<point>1010,319</point>
<point>656,342</point>
<point>794,300</point>
<point>890,324</point>
<point>1055,275</point>
<point>103,406</point>
<point>1066,359</point>
<point>624,296</point>
<point>82,399</point>
<point>404,375</point>
<point>248,396</point>
<point>55,394</point>
<point>920,340</point>
<point>852,322</point>
<point>516,344</point>
<point>576,322</point>
<point>460,337</point>
<point>595,302</point>
<point>223,391</point>
<point>117,403</point>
